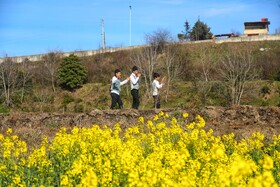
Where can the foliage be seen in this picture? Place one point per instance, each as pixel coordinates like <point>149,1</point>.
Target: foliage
<point>4,109</point>
<point>200,31</point>
<point>71,73</point>
<point>163,151</point>
<point>66,100</point>
<point>186,32</point>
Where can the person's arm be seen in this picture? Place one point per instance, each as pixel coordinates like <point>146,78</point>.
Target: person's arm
<point>124,82</point>
<point>159,86</point>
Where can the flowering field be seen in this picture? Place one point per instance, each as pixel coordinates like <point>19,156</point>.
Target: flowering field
<point>163,151</point>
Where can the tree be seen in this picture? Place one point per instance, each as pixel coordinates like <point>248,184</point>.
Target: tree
<point>25,77</point>
<point>186,33</point>
<point>200,31</point>
<point>158,39</point>
<point>71,73</point>
<point>172,62</point>
<point>8,78</point>
<point>147,57</point>
<point>202,75</point>
<point>51,63</point>
<point>237,67</point>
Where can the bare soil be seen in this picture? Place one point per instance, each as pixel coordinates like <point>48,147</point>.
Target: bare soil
<point>241,120</point>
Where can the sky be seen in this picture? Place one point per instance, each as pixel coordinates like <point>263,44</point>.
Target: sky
<point>30,27</point>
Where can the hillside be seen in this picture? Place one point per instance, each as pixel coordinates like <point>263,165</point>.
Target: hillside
<point>199,85</point>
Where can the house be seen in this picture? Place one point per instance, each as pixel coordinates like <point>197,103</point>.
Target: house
<point>256,28</point>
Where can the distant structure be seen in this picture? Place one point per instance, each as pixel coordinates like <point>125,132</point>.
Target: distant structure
<point>256,28</point>
<point>228,35</point>
<point>103,36</point>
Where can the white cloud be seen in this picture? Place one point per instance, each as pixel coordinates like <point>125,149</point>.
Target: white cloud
<point>224,10</point>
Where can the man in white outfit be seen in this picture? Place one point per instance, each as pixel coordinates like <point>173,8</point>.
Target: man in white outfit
<point>134,84</point>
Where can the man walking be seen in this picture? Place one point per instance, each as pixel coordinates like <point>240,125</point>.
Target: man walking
<point>116,88</point>
<point>134,85</point>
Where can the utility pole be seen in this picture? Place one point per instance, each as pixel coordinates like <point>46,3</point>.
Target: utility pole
<point>103,36</point>
<point>129,25</point>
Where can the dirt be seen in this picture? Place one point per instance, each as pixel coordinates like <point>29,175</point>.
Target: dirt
<point>241,120</point>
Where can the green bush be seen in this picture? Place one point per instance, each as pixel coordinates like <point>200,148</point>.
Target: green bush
<point>71,73</point>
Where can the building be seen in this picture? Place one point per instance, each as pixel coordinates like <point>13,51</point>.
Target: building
<point>256,28</point>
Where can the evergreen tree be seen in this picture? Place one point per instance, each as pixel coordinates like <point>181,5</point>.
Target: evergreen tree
<point>185,35</point>
<point>71,73</point>
<point>187,29</point>
<point>200,31</point>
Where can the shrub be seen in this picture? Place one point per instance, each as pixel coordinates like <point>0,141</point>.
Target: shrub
<point>71,73</point>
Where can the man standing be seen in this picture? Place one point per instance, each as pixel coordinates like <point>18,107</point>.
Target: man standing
<point>134,84</point>
<point>156,86</point>
<point>116,88</point>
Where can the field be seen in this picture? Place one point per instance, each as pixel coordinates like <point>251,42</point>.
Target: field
<point>160,151</point>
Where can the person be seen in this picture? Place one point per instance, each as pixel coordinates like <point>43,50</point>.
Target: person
<point>116,88</point>
<point>134,85</point>
<point>156,86</point>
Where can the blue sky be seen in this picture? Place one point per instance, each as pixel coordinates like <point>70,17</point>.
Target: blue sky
<point>29,27</point>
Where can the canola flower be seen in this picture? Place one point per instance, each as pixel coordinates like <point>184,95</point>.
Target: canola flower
<point>162,151</point>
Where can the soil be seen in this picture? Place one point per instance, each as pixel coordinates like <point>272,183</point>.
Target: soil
<point>241,120</point>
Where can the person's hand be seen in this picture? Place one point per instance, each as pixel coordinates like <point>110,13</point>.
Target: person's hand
<point>128,78</point>
<point>139,75</point>
<point>163,80</point>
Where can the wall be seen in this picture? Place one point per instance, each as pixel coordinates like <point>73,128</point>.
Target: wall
<point>242,38</point>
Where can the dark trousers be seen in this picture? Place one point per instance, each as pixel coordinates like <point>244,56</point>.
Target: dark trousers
<point>156,101</point>
<point>116,99</point>
<point>135,97</point>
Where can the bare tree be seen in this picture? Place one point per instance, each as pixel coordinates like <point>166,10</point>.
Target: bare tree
<point>172,62</point>
<point>43,97</point>
<point>147,57</point>
<point>236,69</point>
<point>25,77</point>
<point>8,78</point>
<point>51,63</point>
<point>203,74</point>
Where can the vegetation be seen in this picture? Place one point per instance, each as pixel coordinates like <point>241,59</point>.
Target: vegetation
<point>71,73</point>
<point>197,75</point>
<point>200,31</point>
<point>163,151</point>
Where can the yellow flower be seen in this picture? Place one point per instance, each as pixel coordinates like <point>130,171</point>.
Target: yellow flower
<point>9,131</point>
<point>64,180</point>
<point>156,118</point>
<point>268,162</point>
<point>174,121</point>
<point>141,119</point>
<point>16,179</point>
<point>185,115</point>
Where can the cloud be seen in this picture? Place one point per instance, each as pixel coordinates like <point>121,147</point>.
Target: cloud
<point>224,10</point>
